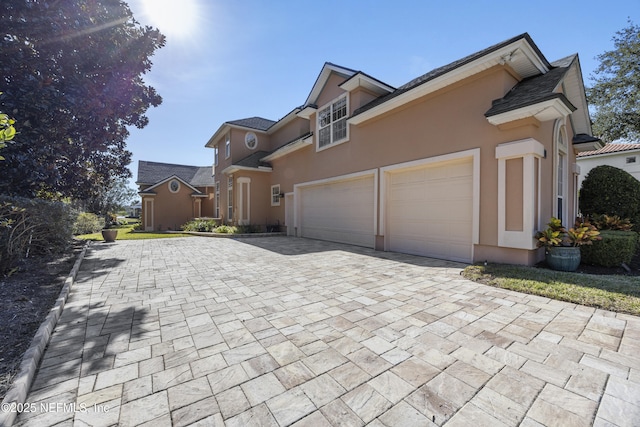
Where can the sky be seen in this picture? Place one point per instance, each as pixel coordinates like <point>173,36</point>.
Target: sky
<point>232,59</point>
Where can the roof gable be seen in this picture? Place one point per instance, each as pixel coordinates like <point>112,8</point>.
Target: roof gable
<point>324,75</point>
<point>520,52</point>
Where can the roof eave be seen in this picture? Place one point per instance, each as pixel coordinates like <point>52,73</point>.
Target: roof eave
<point>235,168</point>
<point>532,64</point>
<point>555,108</point>
<point>296,145</point>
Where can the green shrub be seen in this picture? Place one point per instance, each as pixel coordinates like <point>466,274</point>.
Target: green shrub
<point>615,248</point>
<point>32,227</point>
<point>249,228</point>
<point>611,191</point>
<point>226,229</point>
<point>87,223</point>
<point>202,225</point>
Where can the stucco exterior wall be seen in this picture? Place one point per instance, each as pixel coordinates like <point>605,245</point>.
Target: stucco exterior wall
<point>617,160</point>
<point>449,120</point>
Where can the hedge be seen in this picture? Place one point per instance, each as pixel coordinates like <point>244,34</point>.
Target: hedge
<point>615,248</point>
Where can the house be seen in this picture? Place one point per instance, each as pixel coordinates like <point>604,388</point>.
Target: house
<point>173,194</point>
<point>621,156</point>
<point>463,163</point>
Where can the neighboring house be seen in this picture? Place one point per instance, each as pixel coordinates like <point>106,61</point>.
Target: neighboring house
<point>174,194</point>
<point>464,163</point>
<point>133,211</point>
<point>622,156</point>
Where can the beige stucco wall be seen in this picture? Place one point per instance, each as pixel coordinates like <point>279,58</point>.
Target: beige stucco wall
<point>447,121</point>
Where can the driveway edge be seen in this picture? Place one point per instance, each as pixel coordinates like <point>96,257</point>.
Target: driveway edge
<point>17,393</point>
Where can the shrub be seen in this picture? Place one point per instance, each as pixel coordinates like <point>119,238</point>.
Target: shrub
<point>226,229</point>
<point>87,223</point>
<point>202,225</point>
<point>615,248</point>
<point>32,227</point>
<point>249,228</point>
<point>612,222</point>
<point>611,191</point>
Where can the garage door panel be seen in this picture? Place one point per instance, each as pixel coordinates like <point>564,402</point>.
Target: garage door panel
<point>430,211</point>
<point>339,212</point>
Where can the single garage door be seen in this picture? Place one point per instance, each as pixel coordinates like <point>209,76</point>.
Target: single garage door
<point>430,210</point>
<point>341,211</point>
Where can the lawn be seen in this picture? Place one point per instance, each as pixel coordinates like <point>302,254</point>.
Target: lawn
<point>609,292</point>
<point>125,232</point>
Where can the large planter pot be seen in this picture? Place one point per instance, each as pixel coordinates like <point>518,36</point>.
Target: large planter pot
<point>109,235</point>
<point>563,258</point>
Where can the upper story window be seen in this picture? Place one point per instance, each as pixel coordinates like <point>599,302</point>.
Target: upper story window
<point>332,122</point>
<point>251,140</point>
<point>215,155</point>
<point>631,159</point>
<point>227,146</point>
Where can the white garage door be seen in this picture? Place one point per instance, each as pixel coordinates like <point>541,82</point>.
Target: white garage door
<point>339,212</point>
<point>430,211</point>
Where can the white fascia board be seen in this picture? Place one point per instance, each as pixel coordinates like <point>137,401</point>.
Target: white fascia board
<point>327,69</point>
<point>233,169</point>
<point>542,111</point>
<point>307,111</point>
<point>483,63</point>
<point>283,121</point>
<point>361,80</point>
<point>290,148</point>
<point>169,179</point>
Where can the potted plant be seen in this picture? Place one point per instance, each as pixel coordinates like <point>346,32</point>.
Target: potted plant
<point>562,246</point>
<point>109,234</point>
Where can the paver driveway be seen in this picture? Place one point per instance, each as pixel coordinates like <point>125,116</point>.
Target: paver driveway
<point>281,331</point>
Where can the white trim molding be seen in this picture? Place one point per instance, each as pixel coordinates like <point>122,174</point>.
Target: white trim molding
<point>474,153</point>
<point>528,150</point>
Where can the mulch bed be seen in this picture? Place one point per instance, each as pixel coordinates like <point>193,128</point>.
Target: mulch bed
<point>26,297</point>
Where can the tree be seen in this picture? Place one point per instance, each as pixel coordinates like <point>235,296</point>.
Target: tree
<point>111,198</point>
<point>616,92</point>
<point>72,75</point>
<point>607,190</point>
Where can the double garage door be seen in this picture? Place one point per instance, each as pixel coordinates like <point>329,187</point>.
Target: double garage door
<point>428,210</point>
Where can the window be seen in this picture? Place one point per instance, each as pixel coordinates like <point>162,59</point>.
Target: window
<point>562,173</point>
<point>631,159</point>
<point>215,155</point>
<point>230,199</point>
<point>332,122</point>
<point>174,186</point>
<point>227,146</point>
<point>275,195</point>
<point>250,140</point>
<point>217,210</point>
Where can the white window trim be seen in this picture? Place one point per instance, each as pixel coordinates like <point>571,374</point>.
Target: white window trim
<point>561,149</point>
<point>217,200</point>
<point>528,150</point>
<point>317,133</point>
<point>273,187</point>
<point>227,146</point>
<point>216,155</point>
<point>246,140</point>
<point>171,189</point>
<point>230,199</point>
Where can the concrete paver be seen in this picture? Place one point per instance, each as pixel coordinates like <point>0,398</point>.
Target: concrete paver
<point>284,331</point>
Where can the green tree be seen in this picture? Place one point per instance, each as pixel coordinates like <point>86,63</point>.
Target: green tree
<point>72,75</point>
<point>111,197</point>
<point>616,92</point>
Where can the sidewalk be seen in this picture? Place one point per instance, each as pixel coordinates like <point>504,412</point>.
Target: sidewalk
<point>284,331</point>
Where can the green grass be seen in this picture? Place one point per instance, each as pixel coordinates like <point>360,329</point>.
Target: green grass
<point>125,232</point>
<point>615,293</point>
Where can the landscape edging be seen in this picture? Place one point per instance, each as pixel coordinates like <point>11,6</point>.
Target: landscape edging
<point>17,393</point>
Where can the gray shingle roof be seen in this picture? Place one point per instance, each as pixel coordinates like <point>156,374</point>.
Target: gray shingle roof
<point>257,123</point>
<point>433,74</point>
<point>153,172</point>
<point>531,91</point>
<point>253,161</point>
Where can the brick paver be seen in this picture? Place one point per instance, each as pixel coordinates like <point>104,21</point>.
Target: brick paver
<point>284,331</point>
